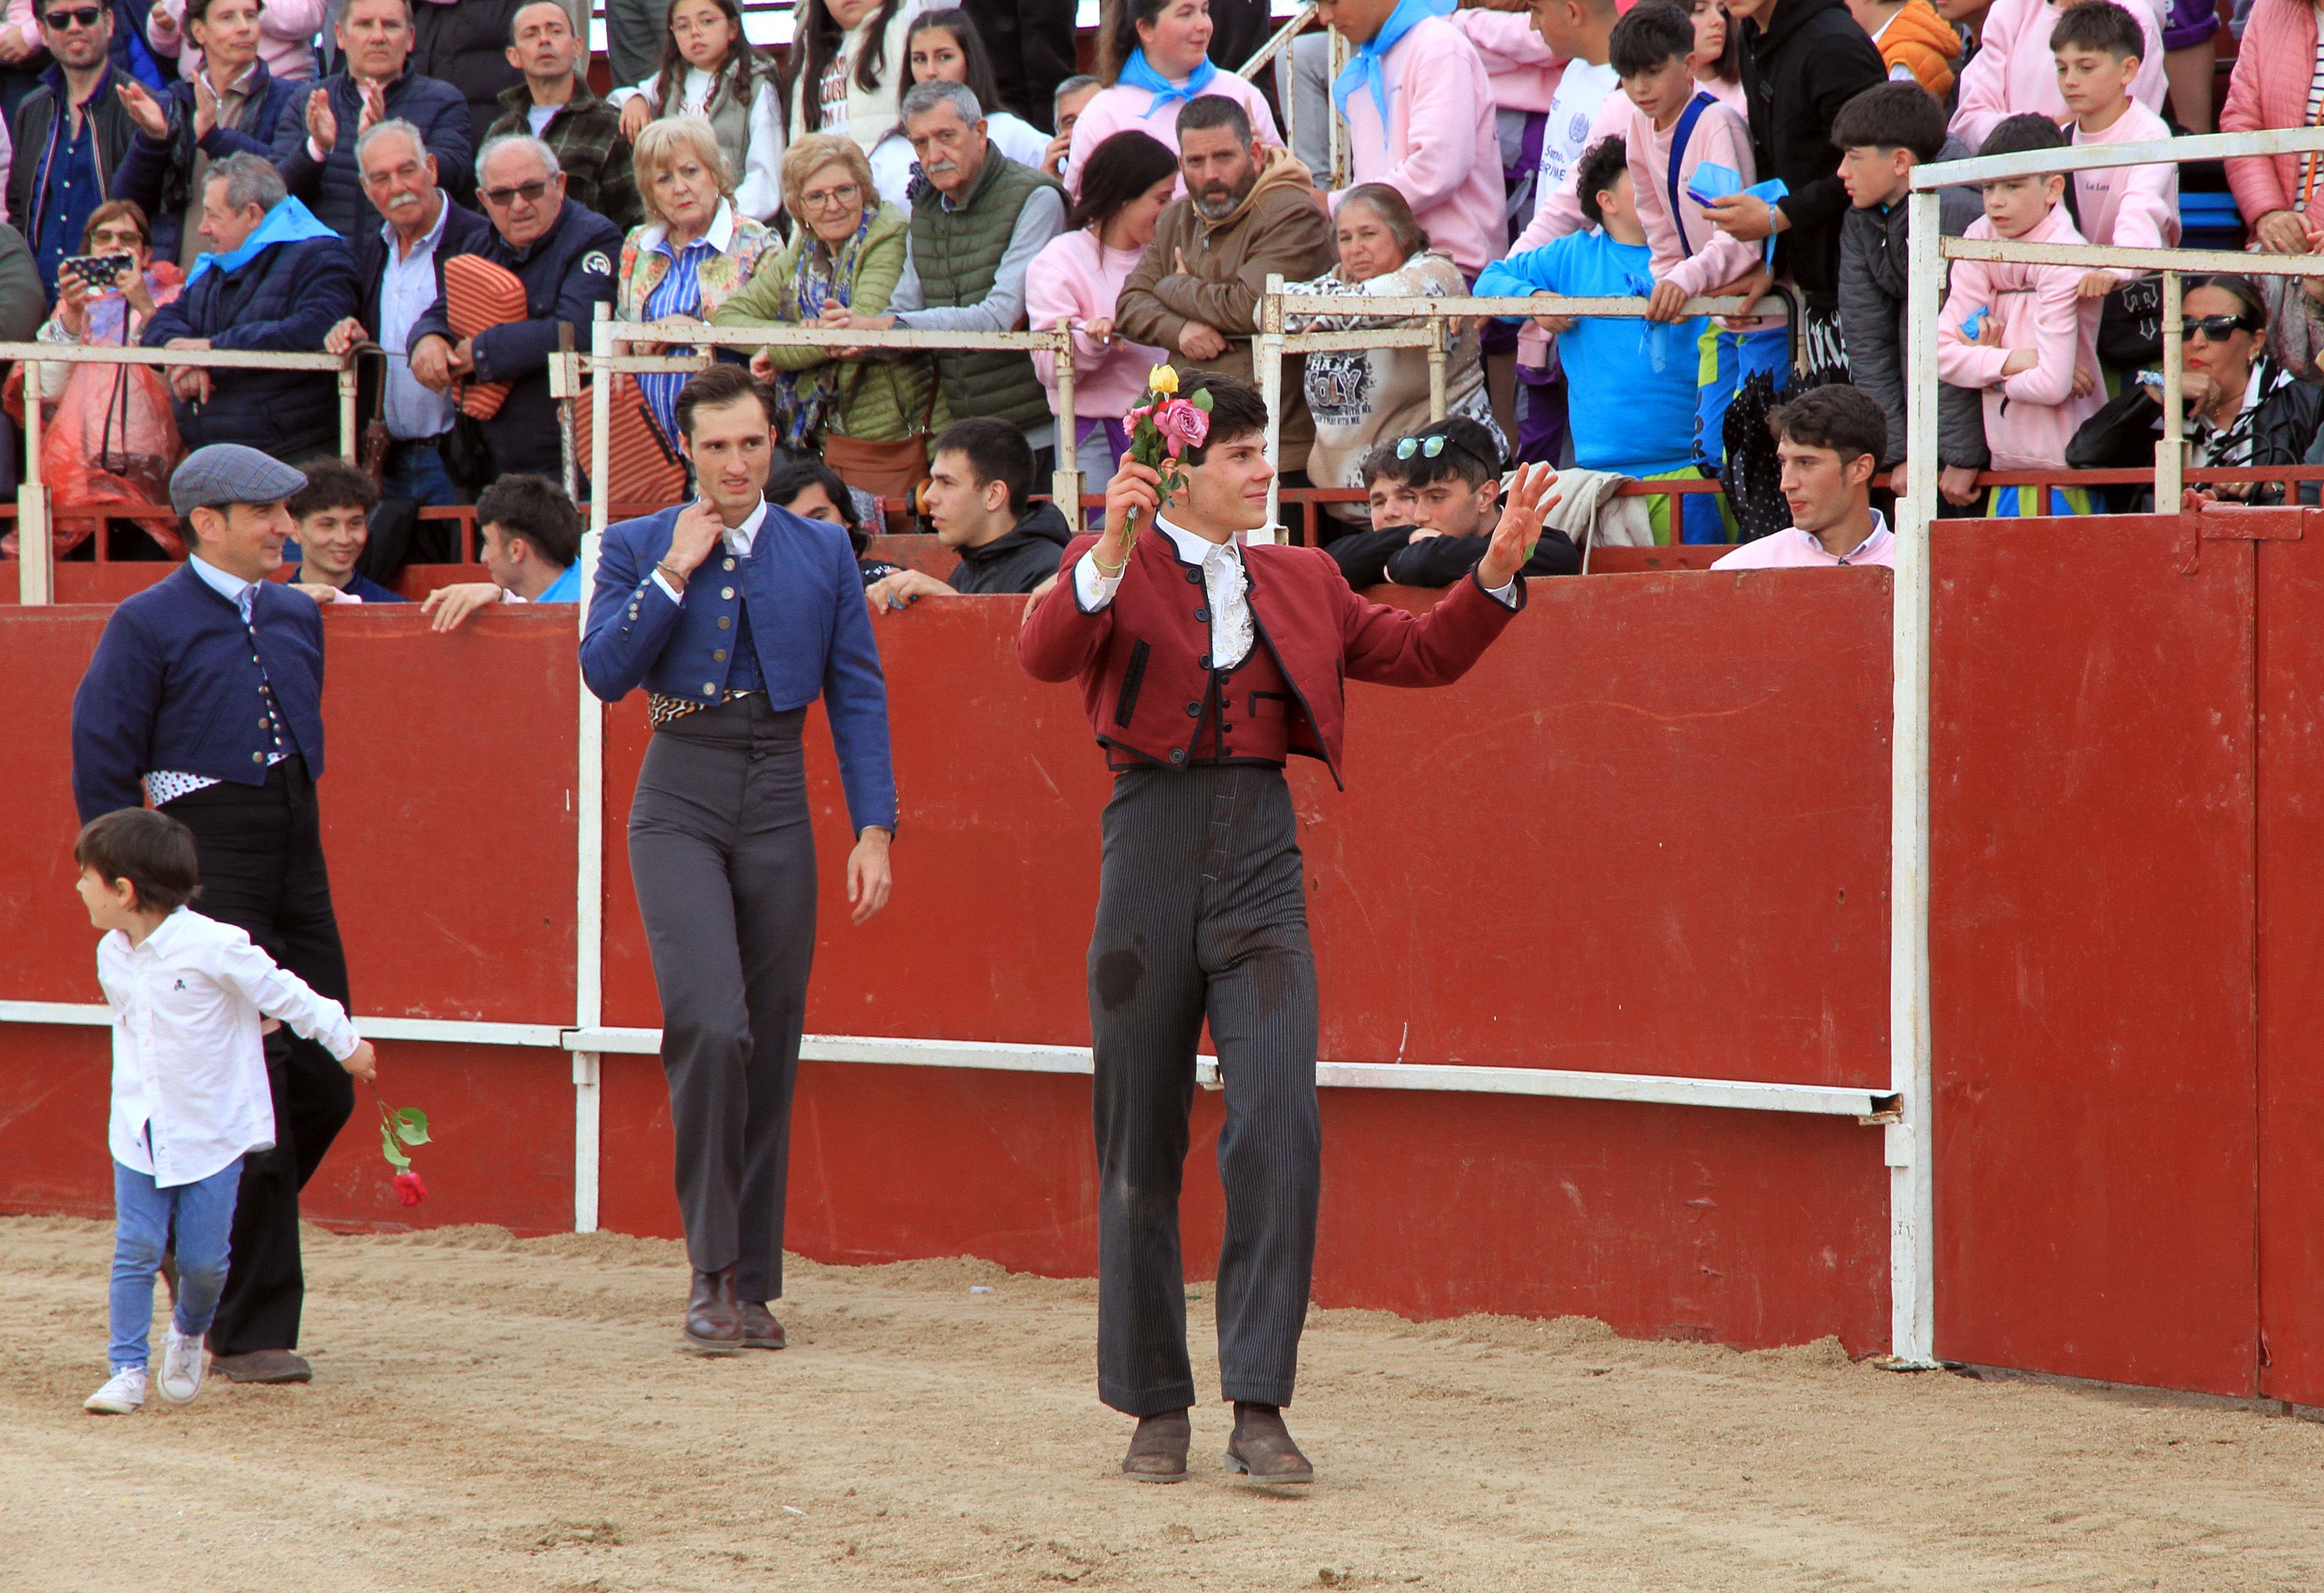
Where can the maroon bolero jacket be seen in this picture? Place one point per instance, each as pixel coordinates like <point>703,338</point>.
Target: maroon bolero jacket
<point>1144,656</point>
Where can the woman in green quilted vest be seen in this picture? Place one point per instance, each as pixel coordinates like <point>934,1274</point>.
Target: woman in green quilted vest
<point>847,255</point>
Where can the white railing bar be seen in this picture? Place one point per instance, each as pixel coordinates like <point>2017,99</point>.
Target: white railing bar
<point>110,354</point>
<point>444,1031</point>
<point>1538,304</point>
<point>800,336</point>
<point>2186,261</point>
<point>2095,157</point>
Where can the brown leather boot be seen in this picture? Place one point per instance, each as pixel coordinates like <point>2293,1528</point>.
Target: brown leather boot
<point>1158,1449</point>
<point>760,1330</point>
<point>1261,1447</point>
<point>713,1325</point>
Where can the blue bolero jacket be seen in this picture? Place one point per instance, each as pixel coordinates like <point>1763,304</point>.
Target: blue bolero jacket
<point>808,624</point>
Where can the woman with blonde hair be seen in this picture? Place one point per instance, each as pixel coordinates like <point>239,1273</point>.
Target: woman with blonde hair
<point>846,255</point>
<point>711,70</point>
<point>694,251</point>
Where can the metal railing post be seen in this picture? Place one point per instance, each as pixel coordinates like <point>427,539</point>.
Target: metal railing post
<point>1438,348</point>
<point>1066,483</point>
<point>1268,352</point>
<point>350,439</point>
<point>589,804</point>
<point>2170,448</point>
<point>35,551</point>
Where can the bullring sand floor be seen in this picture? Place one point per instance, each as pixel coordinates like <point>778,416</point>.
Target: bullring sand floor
<point>493,1412</point>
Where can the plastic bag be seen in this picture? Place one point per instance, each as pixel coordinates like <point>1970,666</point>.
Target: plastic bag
<point>112,441</point>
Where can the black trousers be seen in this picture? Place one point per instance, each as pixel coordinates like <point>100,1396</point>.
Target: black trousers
<point>260,849</point>
<point>722,856</point>
<point>1201,914</point>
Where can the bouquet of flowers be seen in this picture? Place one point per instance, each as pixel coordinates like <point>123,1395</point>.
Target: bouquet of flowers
<point>397,1128</point>
<point>1164,427</point>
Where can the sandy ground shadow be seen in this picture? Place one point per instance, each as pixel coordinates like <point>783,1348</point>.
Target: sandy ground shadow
<point>498,1413</point>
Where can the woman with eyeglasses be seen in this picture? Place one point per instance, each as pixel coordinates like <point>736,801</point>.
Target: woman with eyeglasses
<point>846,255</point>
<point>231,103</point>
<point>693,253</point>
<point>2241,407</point>
<point>1359,396</point>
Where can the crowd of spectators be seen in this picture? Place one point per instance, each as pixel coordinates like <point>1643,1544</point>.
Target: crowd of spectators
<point>437,179</point>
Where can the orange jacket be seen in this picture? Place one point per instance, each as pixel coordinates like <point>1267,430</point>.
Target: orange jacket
<point>1924,43</point>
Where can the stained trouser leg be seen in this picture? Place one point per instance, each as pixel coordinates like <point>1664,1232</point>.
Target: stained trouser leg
<point>679,824</point>
<point>772,873</point>
<point>1146,1018</point>
<point>1253,944</point>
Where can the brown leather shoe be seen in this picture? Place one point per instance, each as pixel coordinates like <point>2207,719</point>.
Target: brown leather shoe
<point>1261,1447</point>
<point>714,1324</point>
<point>263,1366</point>
<point>760,1330</point>
<point>1158,1449</point>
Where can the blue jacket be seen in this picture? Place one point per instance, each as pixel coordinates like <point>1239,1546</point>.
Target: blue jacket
<point>567,272</point>
<point>172,687</point>
<point>464,233</point>
<point>808,624</point>
<point>159,172</point>
<point>333,189</point>
<point>285,301</point>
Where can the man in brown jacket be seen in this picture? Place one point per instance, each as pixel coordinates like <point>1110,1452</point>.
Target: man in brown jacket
<point>1249,211</point>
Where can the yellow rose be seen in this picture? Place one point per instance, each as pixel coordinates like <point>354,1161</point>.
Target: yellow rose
<point>1162,379</point>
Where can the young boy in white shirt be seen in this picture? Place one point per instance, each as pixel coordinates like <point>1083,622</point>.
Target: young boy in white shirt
<point>190,1097</point>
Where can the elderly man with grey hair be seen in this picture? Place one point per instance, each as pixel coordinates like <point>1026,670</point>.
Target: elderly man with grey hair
<point>977,223</point>
<point>275,279</point>
<point>563,255</point>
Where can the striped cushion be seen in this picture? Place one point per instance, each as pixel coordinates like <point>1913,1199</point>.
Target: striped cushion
<point>477,297</point>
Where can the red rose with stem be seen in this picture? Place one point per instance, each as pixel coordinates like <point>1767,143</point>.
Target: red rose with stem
<point>397,1128</point>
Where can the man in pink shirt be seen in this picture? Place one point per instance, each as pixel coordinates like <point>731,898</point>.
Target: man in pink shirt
<point>1830,441</point>
<point>1420,119</point>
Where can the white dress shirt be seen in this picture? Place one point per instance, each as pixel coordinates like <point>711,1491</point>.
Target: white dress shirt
<point>167,785</point>
<point>407,290</point>
<point>1223,579</point>
<point>738,540</point>
<point>190,1089</point>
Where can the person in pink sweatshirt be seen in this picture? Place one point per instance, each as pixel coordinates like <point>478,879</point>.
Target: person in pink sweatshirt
<point>1420,120</point>
<point>2022,333</point>
<point>1590,105</point>
<point>2276,72</point>
<point>1155,57</point>
<point>1519,64</point>
<point>286,34</point>
<point>2014,72</point>
<point>2096,45</point>
<point>1078,277</point>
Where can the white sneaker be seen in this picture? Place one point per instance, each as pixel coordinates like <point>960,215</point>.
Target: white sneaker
<point>121,1395</point>
<point>183,1366</point>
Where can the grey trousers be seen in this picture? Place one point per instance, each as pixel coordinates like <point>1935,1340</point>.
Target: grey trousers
<point>633,36</point>
<point>1200,913</point>
<point>723,857</point>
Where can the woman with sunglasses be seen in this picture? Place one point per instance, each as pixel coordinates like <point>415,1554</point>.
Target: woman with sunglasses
<point>2241,407</point>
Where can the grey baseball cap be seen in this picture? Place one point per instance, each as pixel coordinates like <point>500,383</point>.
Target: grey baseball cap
<point>228,472</point>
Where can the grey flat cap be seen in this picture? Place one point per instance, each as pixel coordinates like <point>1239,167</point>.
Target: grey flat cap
<point>228,472</point>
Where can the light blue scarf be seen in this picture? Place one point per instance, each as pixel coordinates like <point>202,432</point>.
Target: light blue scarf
<point>1365,68</point>
<point>1139,73</point>
<point>290,222</point>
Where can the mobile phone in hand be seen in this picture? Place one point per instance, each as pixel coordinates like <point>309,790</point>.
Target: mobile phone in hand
<point>99,271</point>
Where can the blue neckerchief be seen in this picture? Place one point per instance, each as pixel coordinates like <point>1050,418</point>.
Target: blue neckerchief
<point>1139,73</point>
<point>290,222</point>
<point>1365,68</point>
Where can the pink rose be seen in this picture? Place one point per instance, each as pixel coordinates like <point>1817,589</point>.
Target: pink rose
<point>1182,426</point>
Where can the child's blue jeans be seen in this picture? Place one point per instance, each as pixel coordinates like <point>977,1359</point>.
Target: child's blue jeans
<point>144,1215</point>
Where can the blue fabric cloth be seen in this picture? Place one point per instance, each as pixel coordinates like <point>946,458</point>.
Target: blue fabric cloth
<point>566,588</point>
<point>286,300</point>
<point>1140,73</point>
<point>1365,69</point>
<point>1632,405</point>
<point>1728,359</point>
<point>362,586</point>
<point>333,188</point>
<point>194,1221</point>
<point>678,293</point>
<point>810,632</point>
<point>73,180</point>
<point>290,222</point>
<point>174,685</point>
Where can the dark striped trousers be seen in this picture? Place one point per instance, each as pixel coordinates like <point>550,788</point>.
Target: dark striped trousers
<point>1201,914</point>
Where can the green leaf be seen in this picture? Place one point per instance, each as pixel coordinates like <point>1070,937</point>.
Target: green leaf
<point>411,1126</point>
<point>1202,401</point>
<point>393,1153</point>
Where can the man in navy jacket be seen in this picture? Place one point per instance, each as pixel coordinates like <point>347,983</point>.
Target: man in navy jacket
<point>564,255</point>
<point>278,280</point>
<point>207,696</point>
<point>316,151</point>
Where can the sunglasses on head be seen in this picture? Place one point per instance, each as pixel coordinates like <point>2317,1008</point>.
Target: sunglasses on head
<point>532,193</point>
<point>2218,328</point>
<point>59,21</point>
<point>1427,448</point>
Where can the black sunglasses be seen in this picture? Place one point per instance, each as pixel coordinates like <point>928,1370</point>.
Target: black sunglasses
<point>502,198</point>
<point>58,22</point>
<point>2218,328</point>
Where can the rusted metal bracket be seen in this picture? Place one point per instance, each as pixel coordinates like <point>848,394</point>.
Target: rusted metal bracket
<point>2238,522</point>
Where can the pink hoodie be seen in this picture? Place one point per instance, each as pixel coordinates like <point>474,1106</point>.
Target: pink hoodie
<point>1690,250</point>
<point>286,34</point>
<point>1119,108</point>
<point>2013,71</point>
<point>1522,68</point>
<point>2030,416</point>
<point>2275,63</point>
<point>1075,277</point>
<point>1439,149</point>
<point>2135,206</point>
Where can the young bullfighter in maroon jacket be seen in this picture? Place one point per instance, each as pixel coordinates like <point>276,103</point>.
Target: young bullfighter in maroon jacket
<point>1203,663</point>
